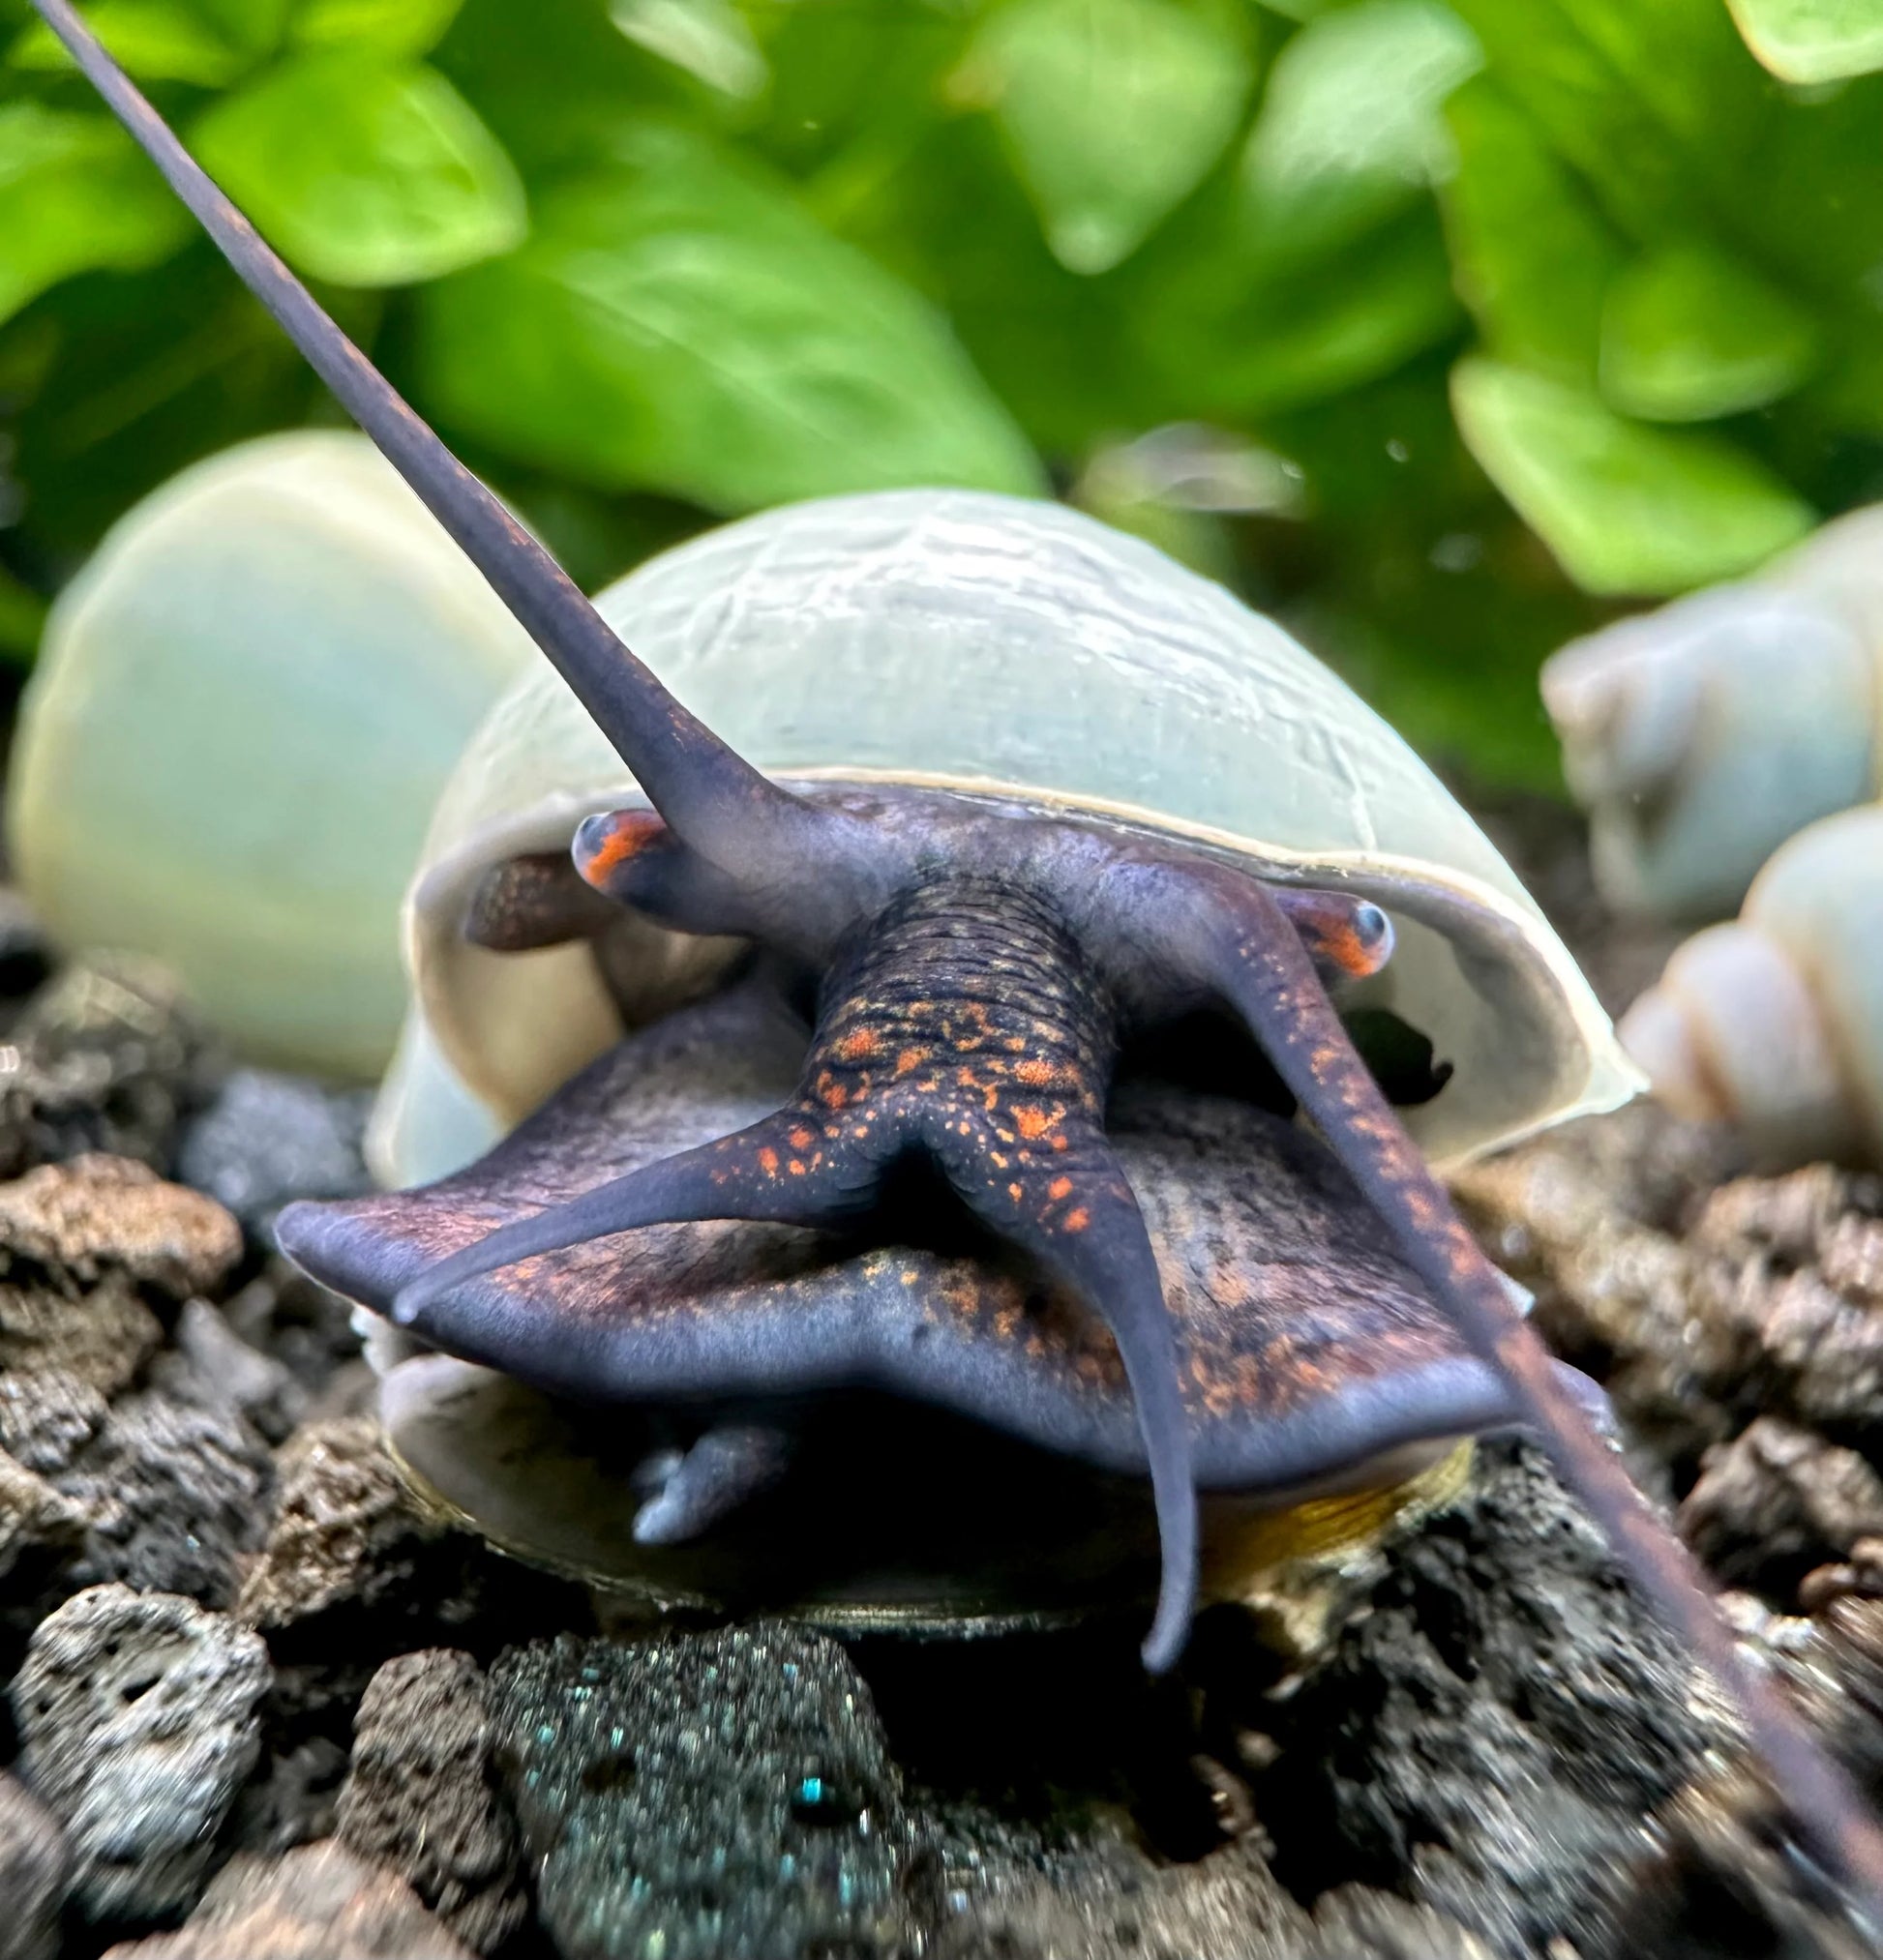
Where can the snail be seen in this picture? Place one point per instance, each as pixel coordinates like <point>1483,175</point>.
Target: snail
<point>1703,734</point>
<point>281,604</point>
<point>964,969</point>
<point>1769,1021</point>
<point>1727,747</point>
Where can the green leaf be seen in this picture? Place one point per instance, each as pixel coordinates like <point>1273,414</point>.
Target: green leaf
<point>405,28</point>
<point>1113,110</point>
<point>707,38</point>
<point>678,323</point>
<point>1351,125</point>
<point>1811,41</point>
<point>364,172</point>
<point>1625,509</point>
<point>208,42</point>
<point>1531,256</point>
<point>1690,334</point>
<point>75,196</point>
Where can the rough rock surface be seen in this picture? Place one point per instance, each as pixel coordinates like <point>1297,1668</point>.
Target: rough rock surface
<point>98,1213</point>
<point>1491,1736</point>
<point>420,1797</point>
<point>138,1716</point>
<point>64,1353</point>
<point>321,1901</point>
<point>703,1797</point>
<point>35,1872</point>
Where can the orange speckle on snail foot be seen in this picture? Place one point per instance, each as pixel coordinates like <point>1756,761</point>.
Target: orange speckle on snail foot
<point>1016,1192</point>
<point>1061,1187</point>
<point>768,1161</point>
<point>1037,1074</point>
<point>1032,1123</point>
<point>910,1059</point>
<point>803,1140</point>
<point>1077,1221</point>
<point>796,1167</point>
<point>860,1044</point>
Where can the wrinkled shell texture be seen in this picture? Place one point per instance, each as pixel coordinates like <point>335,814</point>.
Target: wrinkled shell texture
<point>1022,649</point>
<point>240,718</point>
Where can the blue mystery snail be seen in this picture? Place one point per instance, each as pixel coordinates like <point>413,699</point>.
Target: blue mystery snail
<point>969,969</point>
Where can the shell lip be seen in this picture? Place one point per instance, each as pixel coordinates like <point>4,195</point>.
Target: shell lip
<point>1506,930</point>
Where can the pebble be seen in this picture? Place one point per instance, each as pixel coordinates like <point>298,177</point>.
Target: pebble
<point>420,1799</point>
<point>96,1213</point>
<point>267,1139</point>
<point>137,1715</point>
<point>35,1874</point>
<point>320,1902</point>
<point>703,1797</point>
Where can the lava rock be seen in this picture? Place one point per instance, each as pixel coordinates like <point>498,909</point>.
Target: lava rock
<point>100,1213</point>
<point>295,1797</point>
<point>213,1365</point>
<point>138,1716</point>
<point>420,1797</point>
<point>317,1903</point>
<point>268,1138</point>
<point>1490,1737</point>
<point>106,1057</point>
<point>34,1515</point>
<point>35,1873</point>
<point>1356,1920</point>
<point>1776,1501</point>
<point>703,1797</point>
<point>176,1496</point>
<point>64,1353</point>
<point>344,1527</point>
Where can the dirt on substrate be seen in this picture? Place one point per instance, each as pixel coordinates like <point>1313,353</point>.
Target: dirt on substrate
<point>262,1705</point>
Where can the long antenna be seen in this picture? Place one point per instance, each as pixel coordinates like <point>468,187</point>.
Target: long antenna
<point>711,797</point>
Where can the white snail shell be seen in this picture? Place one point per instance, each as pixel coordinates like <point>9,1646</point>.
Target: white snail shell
<point>1775,1021</point>
<point>1006,648</point>
<point>242,715</point>
<point>1701,735</point>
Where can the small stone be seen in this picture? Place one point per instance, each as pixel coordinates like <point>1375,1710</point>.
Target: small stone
<point>64,1352</point>
<point>138,1716</point>
<point>420,1799</point>
<point>1488,1738</point>
<point>34,1515</point>
<point>281,1313</point>
<point>343,1520</point>
<point>1777,1500</point>
<point>35,1872</point>
<point>96,1213</point>
<point>295,1800</point>
<point>1356,1920</point>
<point>703,1797</point>
<point>317,1903</point>
<point>214,1364</point>
<point>106,1057</point>
<point>176,1495</point>
<point>268,1138</point>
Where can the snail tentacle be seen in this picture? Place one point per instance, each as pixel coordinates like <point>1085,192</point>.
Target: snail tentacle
<point>1233,936</point>
<point>710,794</point>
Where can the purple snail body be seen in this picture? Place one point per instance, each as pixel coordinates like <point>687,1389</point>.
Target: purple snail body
<point>958,992</point>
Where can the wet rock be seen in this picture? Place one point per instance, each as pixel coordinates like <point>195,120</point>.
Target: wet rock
<point>342,1528</point>
<point>1356,1920</point>
<point>175,1494</point>
<point>282,1314</point>
<point>1777,1500</point>
<point>317,1903</point>
<point>702,1796</point>
<point>103,1058</point>
<point>268,1138</point>
<point>35,1872</point>
<point>295,1797</point>
<point>212,1364</point>
<point>64,1352</point>
<point>420,1799</point>
<point>34,1515</point>
<point>1117,1905</point>
<point>138,1716</point>
<point>100,1213</point>
<point>1490,1737</point>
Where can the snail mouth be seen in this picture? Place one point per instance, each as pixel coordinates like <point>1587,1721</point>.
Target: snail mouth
<point>977,1451</point>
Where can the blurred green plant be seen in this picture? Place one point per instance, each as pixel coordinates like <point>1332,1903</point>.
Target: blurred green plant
<point>1437,329</point>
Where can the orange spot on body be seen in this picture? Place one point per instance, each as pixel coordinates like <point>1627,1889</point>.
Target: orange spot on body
<point>1061,1187</point>
<point>860,1044</point>
<point>768,1161</point>
<point>1032,1123</point>
<point>803,1140</point>
<point>1077,1221</point>
<point>1015,1192</point>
